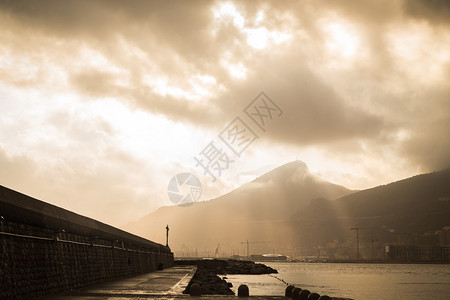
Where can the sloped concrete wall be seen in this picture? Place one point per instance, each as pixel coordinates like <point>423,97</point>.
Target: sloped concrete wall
<point>45,249</point>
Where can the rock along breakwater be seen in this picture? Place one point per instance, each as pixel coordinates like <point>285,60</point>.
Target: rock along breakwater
<point>207,271</point>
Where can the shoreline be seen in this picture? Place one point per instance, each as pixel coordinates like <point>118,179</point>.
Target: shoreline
<point>360,262</point>
<point>321,261</point>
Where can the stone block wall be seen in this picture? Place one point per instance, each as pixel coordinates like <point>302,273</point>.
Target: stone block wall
<point>45,249</point>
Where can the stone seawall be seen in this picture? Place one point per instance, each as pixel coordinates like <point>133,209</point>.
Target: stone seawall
<point>45,249</point>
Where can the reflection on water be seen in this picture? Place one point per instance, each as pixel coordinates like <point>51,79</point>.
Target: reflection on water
<point>356,281</point>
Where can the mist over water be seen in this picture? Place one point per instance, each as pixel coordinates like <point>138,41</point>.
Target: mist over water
<point>356,281</point>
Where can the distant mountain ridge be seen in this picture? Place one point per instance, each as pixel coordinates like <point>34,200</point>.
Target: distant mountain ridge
<point>290,208</point>
<point>275,195</point>
<point>401,196</point>
<point>417,204</point>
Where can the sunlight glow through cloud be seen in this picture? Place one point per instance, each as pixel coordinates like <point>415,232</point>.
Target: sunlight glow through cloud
<point>412,52</point>
<point>197,89</point>
<point>236,70</point>
<point>341,40</point>
<point>143,88</point>
<point>228,10</point>
<point>258,37</point>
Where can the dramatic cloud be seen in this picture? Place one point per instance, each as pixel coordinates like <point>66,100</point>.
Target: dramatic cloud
<point>433,11</point>
<point>104,101</point>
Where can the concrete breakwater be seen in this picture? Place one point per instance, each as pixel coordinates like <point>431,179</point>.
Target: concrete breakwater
<point>45,249</point>
<point>229,266</point>
<point>211,284</point>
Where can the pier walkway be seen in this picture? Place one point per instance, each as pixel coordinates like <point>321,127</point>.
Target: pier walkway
<point>165,284</point>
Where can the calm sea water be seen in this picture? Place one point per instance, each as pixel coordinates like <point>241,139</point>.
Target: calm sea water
<point>355,281</point>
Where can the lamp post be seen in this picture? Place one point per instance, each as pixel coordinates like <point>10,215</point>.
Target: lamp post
<point>167,235</point>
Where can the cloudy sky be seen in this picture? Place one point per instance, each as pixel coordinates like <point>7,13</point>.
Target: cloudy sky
<point>103,102</point>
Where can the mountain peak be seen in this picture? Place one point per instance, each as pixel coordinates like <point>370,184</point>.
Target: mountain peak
<point>288,170</point>
<point>297,164</point>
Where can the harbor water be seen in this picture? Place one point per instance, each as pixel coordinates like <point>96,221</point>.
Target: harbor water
<point>355,281</point>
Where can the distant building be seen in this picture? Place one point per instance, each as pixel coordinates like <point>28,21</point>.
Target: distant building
<point>400,253</point>
<point>444,237</point>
